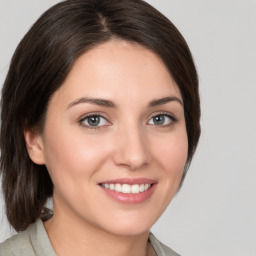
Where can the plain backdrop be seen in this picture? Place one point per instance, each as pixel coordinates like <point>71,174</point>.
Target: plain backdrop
<point>214,214</point>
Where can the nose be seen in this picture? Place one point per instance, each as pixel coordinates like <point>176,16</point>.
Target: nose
<point>132,149</point>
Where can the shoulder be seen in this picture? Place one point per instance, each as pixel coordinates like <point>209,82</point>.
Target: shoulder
<point>31,242</point>
<point>18,244</point>
<point>160,248</point>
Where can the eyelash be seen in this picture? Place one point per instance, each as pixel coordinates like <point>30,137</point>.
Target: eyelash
<point>82,120</point>
<point>171,117</point>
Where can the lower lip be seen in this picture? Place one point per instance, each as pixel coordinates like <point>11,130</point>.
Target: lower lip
<point>130,198</point>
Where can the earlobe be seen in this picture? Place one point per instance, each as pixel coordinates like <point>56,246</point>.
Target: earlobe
<point>34,145</point>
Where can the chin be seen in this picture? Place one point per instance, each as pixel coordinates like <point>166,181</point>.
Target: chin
<point>128,231</point>
<point>130,225</point>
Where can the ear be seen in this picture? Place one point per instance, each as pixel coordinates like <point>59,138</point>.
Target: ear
<point>34,144</point>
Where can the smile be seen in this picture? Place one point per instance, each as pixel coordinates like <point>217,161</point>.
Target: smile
<point>126,188</point>
<point>129,190</point>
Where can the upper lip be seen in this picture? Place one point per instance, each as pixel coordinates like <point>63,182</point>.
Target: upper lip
<point>130,181</point>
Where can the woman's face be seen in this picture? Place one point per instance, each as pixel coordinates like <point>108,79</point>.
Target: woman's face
<point>115,141</point>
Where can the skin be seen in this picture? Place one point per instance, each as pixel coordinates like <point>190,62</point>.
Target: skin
<point>126,144</point>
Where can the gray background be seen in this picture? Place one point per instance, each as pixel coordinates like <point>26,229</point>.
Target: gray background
<point>214,213</point>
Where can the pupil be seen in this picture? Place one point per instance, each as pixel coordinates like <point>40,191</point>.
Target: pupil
<point>159,119</point>
<point>94,120</point>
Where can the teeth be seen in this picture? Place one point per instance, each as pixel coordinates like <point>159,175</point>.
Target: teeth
<point>135,189</point>
<point>126,188</point>
<point>118,188</point>
<point>142,187</point>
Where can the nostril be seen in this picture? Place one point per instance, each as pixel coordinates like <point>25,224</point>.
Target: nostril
<point>131,160</point>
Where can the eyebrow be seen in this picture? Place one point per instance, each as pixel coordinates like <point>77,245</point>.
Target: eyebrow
<point>111,104</point>
<point>96,101</point>
<point>164,100</point>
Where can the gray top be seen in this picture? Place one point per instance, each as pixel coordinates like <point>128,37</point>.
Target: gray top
<point>35,242</point>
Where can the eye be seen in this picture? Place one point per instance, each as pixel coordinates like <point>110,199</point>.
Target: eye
<point>162,120</point>
<point>94,121</point>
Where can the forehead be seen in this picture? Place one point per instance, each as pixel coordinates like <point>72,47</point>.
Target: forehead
<point>118,68</point>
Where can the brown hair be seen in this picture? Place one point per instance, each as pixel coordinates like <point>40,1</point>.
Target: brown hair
<point>40,65</point>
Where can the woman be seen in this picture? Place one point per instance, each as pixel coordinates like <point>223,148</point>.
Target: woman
<point>100,111</point>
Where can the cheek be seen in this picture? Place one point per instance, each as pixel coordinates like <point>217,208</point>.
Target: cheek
<point>172,155</point>
<point>70,158</point>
